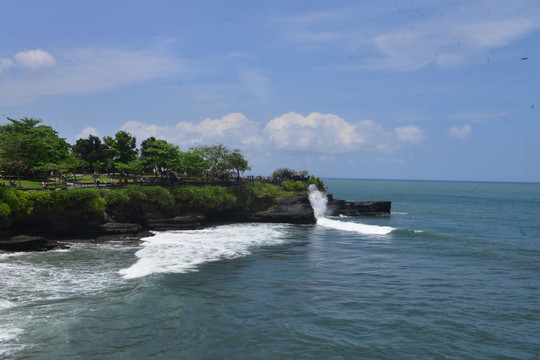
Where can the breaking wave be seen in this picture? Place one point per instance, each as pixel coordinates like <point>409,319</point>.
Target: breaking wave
<point>319,203</point>
<point>183,251</point>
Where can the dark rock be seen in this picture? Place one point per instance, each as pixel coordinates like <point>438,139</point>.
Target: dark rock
<point>358,208</point>
<point>113,228</point>
<point>292,209</point>
<point>25,243</point>
<point>185,222</point>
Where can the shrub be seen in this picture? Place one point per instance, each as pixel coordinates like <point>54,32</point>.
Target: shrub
<point>246,193</point>
<point>17,201</point>
<point>204,196</point>
<point>115,199</point>
<point>4,210</point>
<point>159,195</point>
<point>295,186</point>
<point>87,199</point>
<point>118,198</point>
<point>317,182</point>
<point>62,202</point>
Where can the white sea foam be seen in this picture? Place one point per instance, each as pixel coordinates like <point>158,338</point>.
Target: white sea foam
<point>184,251</point>
<point>355,227</point>
<point>6,304</point>
<point>8,342</point>
<point>319,202</point>
<point>9,334</point>
<point>52,276</point>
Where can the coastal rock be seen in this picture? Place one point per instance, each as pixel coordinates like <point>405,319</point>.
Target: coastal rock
<point>292,209</point>
<point>113,228</point>
<point>186,222</point>
<point>25,243</point>
<point>358,208</point>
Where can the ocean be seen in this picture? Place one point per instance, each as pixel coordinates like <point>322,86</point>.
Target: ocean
<point>453,273</point>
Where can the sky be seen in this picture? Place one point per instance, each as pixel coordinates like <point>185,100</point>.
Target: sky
<point>401,89</point>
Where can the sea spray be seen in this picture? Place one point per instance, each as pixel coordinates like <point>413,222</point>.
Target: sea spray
<point>319,203</point>
<point>318,200</point>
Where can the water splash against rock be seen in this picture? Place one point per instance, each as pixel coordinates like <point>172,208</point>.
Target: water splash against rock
<point>319,203</point>
<point>318,200</point>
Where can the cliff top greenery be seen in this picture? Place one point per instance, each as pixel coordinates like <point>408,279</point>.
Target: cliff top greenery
<point>31,150</point>
<point>94,202</point>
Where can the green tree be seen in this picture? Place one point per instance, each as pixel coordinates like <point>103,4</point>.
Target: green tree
<point>92,151</point>
<point>26,146</point>
<point>237,162</point>
<point>216,157</point>
<point>71,166</point>
<point>283,173</point>
<point>134,166</point>
<point>159,155</point>
<point>193,162</point>
<point>122,148</point>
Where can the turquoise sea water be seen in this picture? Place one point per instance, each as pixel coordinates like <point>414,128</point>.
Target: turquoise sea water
<point>453,273</point>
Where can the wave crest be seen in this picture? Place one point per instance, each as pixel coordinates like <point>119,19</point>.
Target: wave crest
<point>184,251</point>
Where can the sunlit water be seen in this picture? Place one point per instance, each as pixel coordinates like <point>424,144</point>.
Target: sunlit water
<point>453,273</point>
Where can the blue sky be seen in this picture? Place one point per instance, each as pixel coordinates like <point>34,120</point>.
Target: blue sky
<point>433,90</point>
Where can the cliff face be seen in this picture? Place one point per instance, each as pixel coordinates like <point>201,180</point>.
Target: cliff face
<point>359,208</point>
<point>293,210</point>
<point>141,216</point>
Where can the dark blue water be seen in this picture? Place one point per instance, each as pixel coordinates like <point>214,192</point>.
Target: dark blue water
<point>453,273</point>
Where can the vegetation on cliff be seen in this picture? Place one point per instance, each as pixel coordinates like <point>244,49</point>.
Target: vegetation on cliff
<point>16,203</point>
<point>193,181</point>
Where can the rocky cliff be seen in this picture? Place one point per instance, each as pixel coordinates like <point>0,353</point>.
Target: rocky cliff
<point>338,207</point>
<point>30,233</point>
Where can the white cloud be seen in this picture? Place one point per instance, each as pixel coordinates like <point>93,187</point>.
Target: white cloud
<point>446,42</point>
<point>328,133</point>
<point>35,59</point>
<point>409,134</point>
<point>325,134</point>
<point>86,70</point>
<point>5,64</point>
<point>143,131</point>
<point>460,133</point>
<point>234,130</point>
<point>87,131</point>
<point>409,36</point>
<point>495,33</point>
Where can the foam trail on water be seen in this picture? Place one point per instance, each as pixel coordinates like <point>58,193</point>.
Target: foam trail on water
<point>183,251</point>
<point>319,203</point>
<point>355,227</point>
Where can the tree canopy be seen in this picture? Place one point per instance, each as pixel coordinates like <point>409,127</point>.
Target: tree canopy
<point>159,155</point>
<point>92,151</point>
<point>26,146</point>
<point>30,149</point>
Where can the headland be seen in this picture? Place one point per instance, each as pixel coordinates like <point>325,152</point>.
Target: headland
<point>44,220</point>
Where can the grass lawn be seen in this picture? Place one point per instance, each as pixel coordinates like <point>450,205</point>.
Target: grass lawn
<point>28,184</point>
<point>36,184</point>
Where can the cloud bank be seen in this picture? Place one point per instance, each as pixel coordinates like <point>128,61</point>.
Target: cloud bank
<point>314,133</point>
<point>443,34</point>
